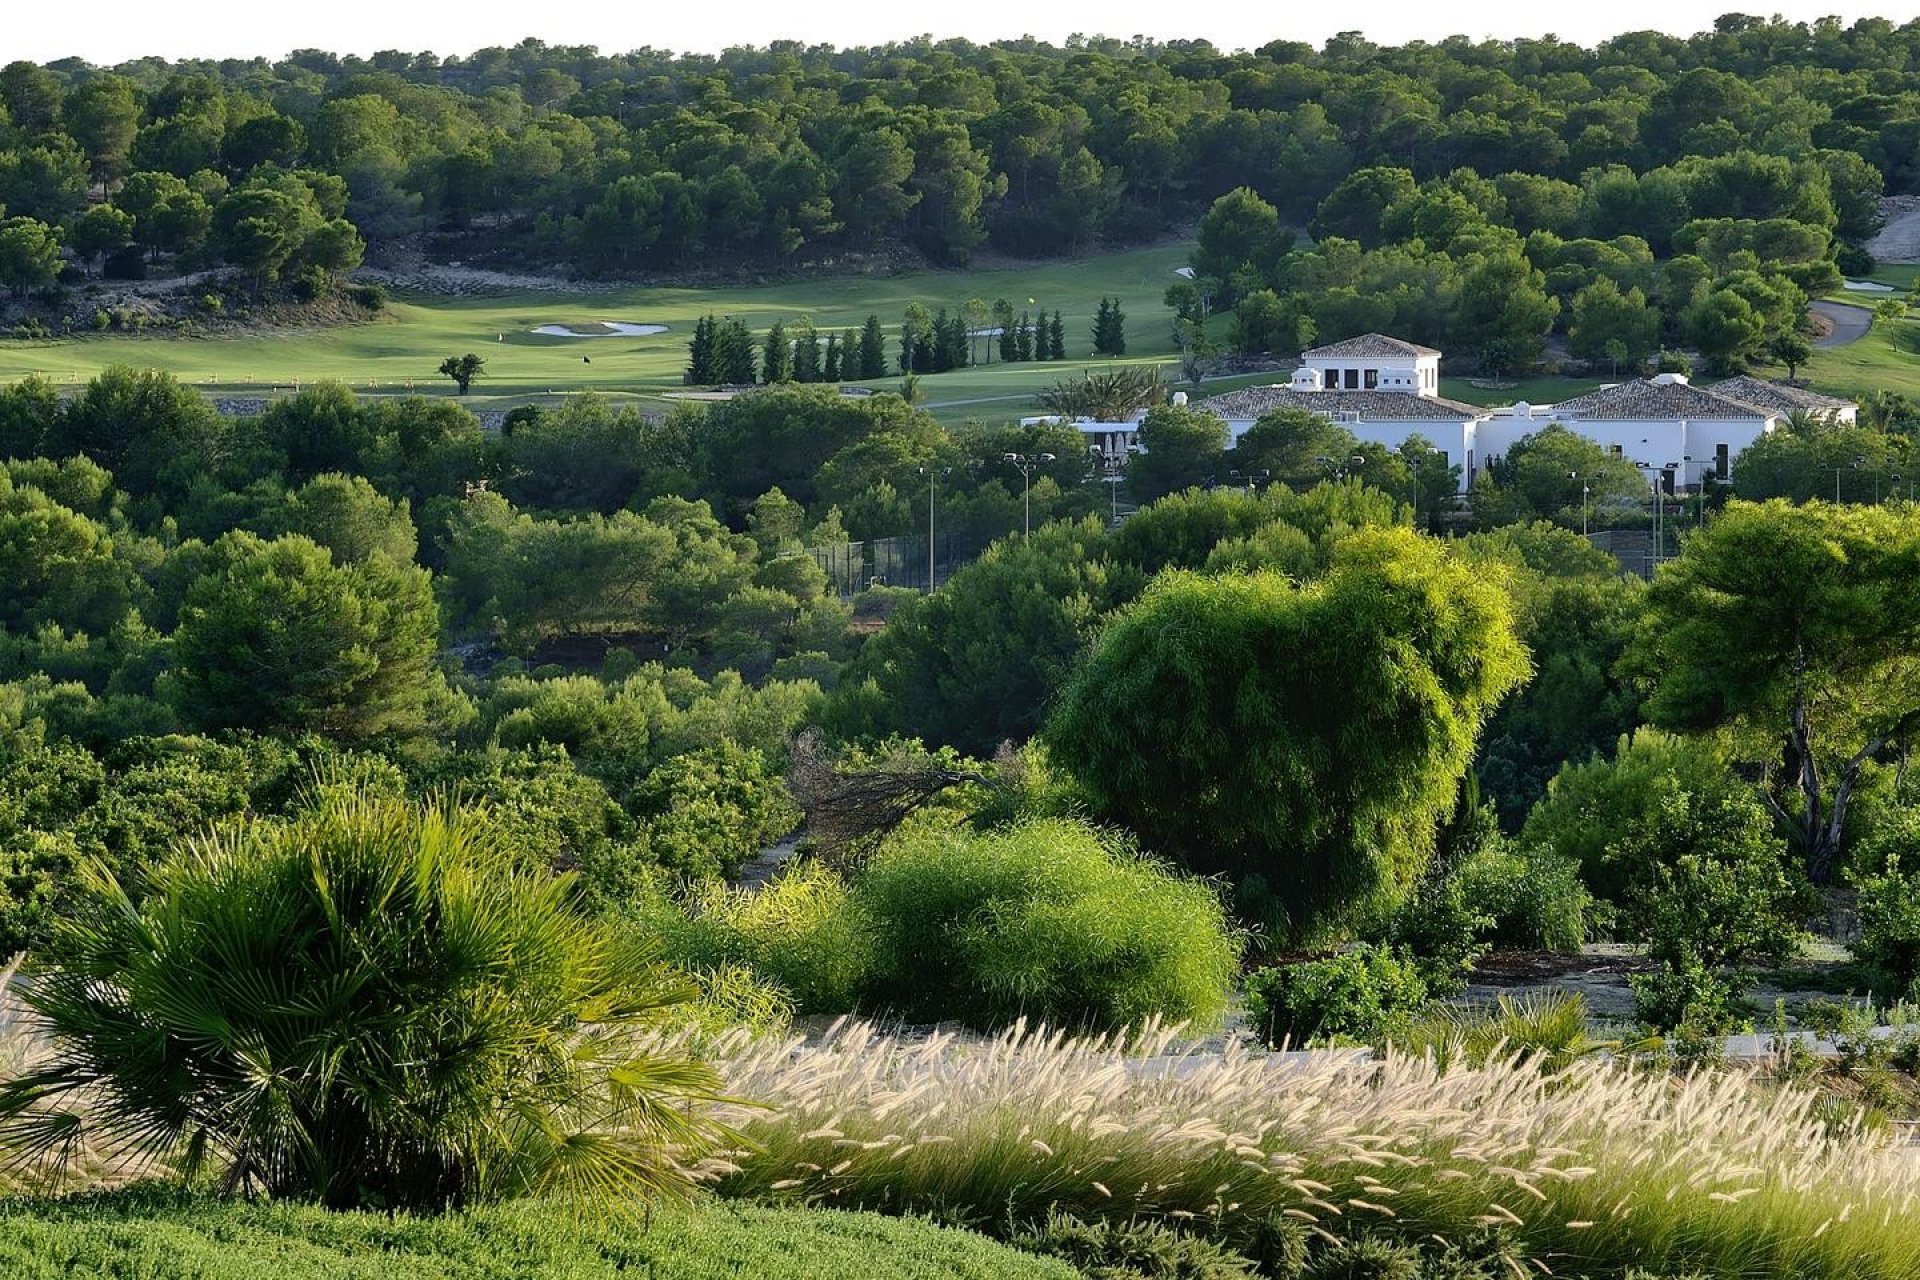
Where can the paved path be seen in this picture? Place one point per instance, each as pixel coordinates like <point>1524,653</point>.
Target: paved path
<point>1850,324</point>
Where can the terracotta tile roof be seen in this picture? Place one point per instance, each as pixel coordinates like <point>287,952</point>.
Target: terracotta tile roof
<point>1777,397</point>
<point>1369,406</point>
<point>1645,400</point>
<point>1366,345</point>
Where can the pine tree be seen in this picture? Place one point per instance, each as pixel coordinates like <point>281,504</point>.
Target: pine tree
<point>873,350</point>
<point>733,354</point>
<point>1023,338</point>
<point>776,365</point>
<point>1057,338</point>
<point>1116,330</point>
<point>1102,326</point>
<point>830,364</point>
<point>701,353</point>
<point>1003,320</point>
<point>806,353</point>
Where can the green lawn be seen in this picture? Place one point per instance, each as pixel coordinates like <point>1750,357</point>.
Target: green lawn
<point>156,1235</point>
<point>1888,358</point>
<point>401,351</point>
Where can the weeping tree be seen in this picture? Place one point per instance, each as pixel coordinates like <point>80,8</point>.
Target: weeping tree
<point>1305,741</point>
<point>1794,633</point>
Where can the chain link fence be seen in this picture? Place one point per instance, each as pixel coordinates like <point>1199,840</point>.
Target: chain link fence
<point>852,567</point>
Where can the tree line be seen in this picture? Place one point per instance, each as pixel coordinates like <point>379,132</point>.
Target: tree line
<point>722,351</point>
<point>1717,254</point>
<point>644,161</point>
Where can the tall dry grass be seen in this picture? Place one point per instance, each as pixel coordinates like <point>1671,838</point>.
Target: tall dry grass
<point>1591,1169</point>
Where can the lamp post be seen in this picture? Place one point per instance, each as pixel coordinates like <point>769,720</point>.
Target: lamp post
<point>1659,510</point>
<point>1340,469</point>
<point>1250,480</point>
<point>1417,457</point>
<point>930,473</point>
<point>1585,491</point>
<point>1027,464</point>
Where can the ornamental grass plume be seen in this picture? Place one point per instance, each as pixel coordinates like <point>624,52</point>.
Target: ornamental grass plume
<point>1596,1168</point>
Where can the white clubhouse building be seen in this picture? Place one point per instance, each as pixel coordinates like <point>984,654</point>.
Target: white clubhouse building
<point>1385,390</point>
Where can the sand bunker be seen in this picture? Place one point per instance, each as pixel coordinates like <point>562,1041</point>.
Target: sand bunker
<point>600,329</point>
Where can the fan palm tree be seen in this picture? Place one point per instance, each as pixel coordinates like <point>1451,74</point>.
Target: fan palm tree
<point>373,1004</point>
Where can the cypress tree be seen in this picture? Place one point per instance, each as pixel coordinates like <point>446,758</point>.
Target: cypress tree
<point>806,353</point>
<point>700,353</point>
<point>1116,330</point>
<point>1101,327</point>
<point>777,363</point>
<point>961,354</point>
<point>733,357</point>
<point>873,350</point>
<point>1008,340</point>
<point>1023,338</point>
<point>830,365</point>
<point>1057,338</point>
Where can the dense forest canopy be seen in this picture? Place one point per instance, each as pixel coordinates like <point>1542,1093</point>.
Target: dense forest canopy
<point>650,160</point>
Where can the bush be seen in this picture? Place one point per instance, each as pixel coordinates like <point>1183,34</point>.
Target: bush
<point>1359,994</point>
<point>160,1235</point>
<point>368,297</point>
<point>803,932</point>
<point>369,1004</point>
<point>1889,906</point>
<point>1689,1000</point>
<point>1131,1250</point>
<point>1592,806</point>
<point>1529,897</point>
<point>1052,920</point>
<point>1852,260</point>
<point>1438,930</point>
<point>1364,1259</point>
<point>709,811</point>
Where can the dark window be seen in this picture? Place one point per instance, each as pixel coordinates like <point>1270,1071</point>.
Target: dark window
<point>1353,379</point>
<point>1720,463</point>
<point>1372,379</point>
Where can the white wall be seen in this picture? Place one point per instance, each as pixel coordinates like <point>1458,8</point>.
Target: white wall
<point>1414,375</point>
<point>1645,444</point>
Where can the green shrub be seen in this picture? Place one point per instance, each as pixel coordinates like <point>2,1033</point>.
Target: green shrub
<point>1358,994</point>
<point>1438,931</point>
<point>1131,1250</point>
<point>372,1003</point>
<point>707,812</point>
<point>1889,906</point>
<point>1689,1000</point>
<point>1718,887</point>
<point>803,932</point>
<point>160,1235</point>
<point>1365,1259</point>
<point>1050,920</point>
<point>1530,897</point>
